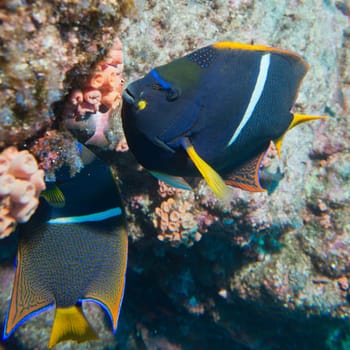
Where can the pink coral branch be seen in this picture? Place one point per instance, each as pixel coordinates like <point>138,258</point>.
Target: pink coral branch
<point>6,183</point>
<point>23,165</point>
<point>4,165</point>
<point>20,185</point>
<point>37,179</point>
<point>89,108</point>
<point>22,213</point>
<point>22,191</point>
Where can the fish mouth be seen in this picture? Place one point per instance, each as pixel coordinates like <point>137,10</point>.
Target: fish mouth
<point>128,96</point>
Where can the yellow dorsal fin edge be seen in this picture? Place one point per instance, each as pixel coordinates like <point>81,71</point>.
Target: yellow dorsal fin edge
<point>214,180</point>
<point>70,324</point>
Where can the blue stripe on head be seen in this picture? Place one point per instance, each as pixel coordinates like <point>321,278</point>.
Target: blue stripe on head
<point>160,80</point>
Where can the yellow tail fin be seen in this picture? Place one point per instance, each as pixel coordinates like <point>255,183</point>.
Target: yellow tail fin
<point>297,119</point>
<point>214,180</point>
<point>303,118</point>
<point>70,324</point>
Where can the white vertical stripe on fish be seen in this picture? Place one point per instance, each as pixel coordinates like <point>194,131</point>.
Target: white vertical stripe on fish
<point>258,89</point>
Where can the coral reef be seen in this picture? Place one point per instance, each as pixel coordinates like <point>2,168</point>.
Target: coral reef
<point>55,149</point>
<point>89,109</point>
<point>47,51</point>
<point>284,254</point>
<point>176,223</point>
<point>270,271</point>
<point>21,182</point>
<point>40,42</point>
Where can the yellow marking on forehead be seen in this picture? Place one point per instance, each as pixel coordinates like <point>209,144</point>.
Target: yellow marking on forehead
<point>247,47</point>
<point>141,105</point>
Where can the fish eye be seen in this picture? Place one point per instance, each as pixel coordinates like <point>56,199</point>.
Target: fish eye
<point>141,105</point>
<point>173,94</point>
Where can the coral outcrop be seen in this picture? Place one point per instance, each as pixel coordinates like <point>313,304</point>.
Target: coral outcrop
<point>45,47</point>
<point>271,271</point>
<point>88,109</point>
<point>176,223</point>
<point>21,182</point>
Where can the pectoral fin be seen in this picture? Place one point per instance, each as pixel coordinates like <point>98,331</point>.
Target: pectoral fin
<point>214,180</point>
<point>54,197</point>
<point>246,176</point>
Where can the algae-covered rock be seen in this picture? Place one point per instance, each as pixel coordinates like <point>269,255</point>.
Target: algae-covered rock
<point>46,48</point>
<point>264,271</point>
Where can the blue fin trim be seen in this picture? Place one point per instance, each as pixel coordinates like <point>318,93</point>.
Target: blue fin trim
<point>161,81</point>
<point>100,216</point>
<point>23,320</point>
<point>106,309</point>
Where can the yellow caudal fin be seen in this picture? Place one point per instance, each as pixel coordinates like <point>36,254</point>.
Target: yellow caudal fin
<point>214,180</point>
<point>70,324</point>
<point>303,118</point>
<point>297,119</point>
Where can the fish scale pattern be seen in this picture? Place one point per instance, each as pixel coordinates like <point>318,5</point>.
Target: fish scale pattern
<point>203,57</point>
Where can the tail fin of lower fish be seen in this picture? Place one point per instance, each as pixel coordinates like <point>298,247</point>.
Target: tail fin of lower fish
<point>71,324</point>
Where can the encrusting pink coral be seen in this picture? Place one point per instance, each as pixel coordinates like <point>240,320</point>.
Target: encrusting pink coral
<point>90,107</point>
<point>21,182</point>
<point>176,222</point>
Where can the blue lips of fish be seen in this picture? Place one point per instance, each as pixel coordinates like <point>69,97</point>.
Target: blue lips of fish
<point>74,249</point>
<point>214,113</point>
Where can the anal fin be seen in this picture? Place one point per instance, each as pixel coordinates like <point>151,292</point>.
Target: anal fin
<point>246,176</point>
<point>71,324</point>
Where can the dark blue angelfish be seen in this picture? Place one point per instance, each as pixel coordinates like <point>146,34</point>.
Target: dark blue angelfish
<point>73,249</point>
<point>216,108</point>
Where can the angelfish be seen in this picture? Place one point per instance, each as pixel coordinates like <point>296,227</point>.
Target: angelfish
<point>214,112</point>
<point>74,249</point>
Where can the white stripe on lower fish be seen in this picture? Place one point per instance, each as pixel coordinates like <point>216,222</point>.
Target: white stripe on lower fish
<point>100,216</point>
<point>258,89</point>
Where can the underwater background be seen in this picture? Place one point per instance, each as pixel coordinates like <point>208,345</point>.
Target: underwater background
<point>264,271</point>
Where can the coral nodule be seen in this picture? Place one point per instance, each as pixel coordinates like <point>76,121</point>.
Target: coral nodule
<point>176,222</point>
<point>89,107</point>
<point>21,182</point>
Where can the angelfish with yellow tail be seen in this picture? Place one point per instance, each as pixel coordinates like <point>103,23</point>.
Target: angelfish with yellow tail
<point>214,112</point>
<point>74,249</point>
